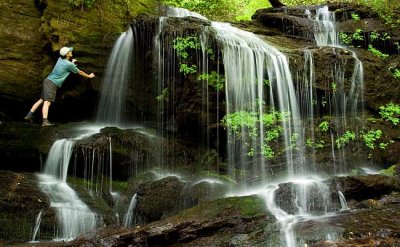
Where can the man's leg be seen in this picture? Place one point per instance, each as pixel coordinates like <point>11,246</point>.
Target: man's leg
<point>29,116</point>
<point>45,113</point>
<point>36,105</point>
<point>45,109</point>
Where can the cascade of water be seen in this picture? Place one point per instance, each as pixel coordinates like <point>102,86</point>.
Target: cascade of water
<point>248,61</point>
<point>116,79</point>
<point>343,202</point>
<point>37,226</point>
<point>286,220</point>
<point>180,12</point>
<point>58,159</point>
<point>110,150</point>
<point>325,30</point>
<point>74,216</point>
<point>128,219</point>
<point>342,104</point>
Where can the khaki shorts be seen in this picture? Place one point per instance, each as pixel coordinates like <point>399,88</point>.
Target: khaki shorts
<point>49,90</point>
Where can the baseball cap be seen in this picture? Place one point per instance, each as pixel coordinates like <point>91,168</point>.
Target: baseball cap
<point>65,50</point>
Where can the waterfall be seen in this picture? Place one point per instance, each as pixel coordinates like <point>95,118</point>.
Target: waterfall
<point>37,226</point>
<point>325,29</point>
<point>128,220</point>
<point>286,220</point>
<point>110,150</point>
<point>344,104</point>
<point>180,12</point>
<point>115,82</point>
<point>248,62</point>
<point>343,201</point>
<point>257,75</point>
<point>74,216</point>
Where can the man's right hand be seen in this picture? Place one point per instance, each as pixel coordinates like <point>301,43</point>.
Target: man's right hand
<point>91,75</point>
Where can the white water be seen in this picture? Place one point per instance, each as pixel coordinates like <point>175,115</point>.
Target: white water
<point>111,108</point>
<point>344,106</point>
<point>180,13</point>
<point>343,201</point>
<point>325,30</point>
<point>128,219</point>
<point>286,220</point>
<point>247,61</point>
<point>37,226</point>
<point>74,216</point>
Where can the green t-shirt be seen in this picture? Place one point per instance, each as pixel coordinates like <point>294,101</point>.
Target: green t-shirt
<point>61,70</point>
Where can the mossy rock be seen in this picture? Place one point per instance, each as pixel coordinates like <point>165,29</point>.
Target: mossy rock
<point>21,200</point>
<point>158,199</point>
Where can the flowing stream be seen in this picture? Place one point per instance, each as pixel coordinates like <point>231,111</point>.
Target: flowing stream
<point>73,215</point>
<point>259,85</point>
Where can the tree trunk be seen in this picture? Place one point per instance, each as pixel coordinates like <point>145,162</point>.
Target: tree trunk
<point>276,3</point>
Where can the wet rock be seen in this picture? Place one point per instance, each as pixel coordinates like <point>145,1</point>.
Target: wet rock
<point>221,222</point>
<point>159,199</point>
<point>315,198</point>
<point>30,51</point>
<point>366,187</point>
<point>24,147</point>
<point>21,200</point>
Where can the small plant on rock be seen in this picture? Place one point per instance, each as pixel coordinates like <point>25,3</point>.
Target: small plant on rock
<point>345,139</point>
<point>391,113</point>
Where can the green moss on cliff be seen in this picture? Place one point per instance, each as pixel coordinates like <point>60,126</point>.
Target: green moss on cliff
<point>248,206</point>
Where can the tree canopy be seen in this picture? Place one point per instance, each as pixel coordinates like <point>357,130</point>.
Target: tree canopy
<point>228,10</point>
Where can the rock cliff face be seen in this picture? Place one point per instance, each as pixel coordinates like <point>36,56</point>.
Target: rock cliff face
<point>32,32</point>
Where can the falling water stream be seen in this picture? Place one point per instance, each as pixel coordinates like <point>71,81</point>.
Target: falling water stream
<point>74,216</point>
<point>248,63</point>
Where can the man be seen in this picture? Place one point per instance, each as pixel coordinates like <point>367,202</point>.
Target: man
<point>56,78</point>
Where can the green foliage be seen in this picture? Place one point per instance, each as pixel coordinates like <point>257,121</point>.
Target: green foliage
<point>390,112</point>
<point>374,36</point>
<point>334,87</point>
<point>301,2</point>
<point>247,123</point>
<point>81,3</point>
<point>240,119</point>
<point>244,9</point>
<point>183,44</point>
<point>213,9</point>
<point>377,52</point>
<point>371,137</point>
<point>347,39</point>
<point>345,139</point>
<point>214,80</point>
<point>381,36</point>
<point>187,69</point>
<point>396,73</point>
<point>318,145</point>
<point>267,82</point>
<point>358,35</point>
<point>163,96</point>
<point>267,151</point>
<point>355,17</point>
<point>391,171</point>
<point>210,53</point>
<point>324,126</point>
<point>250,9</point>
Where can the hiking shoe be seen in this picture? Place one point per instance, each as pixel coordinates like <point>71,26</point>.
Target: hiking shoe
<point>46,124</point>
<point>29,118</point>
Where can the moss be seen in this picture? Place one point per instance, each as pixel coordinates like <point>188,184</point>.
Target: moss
<point>246,207</point>
<point>16,228</point>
